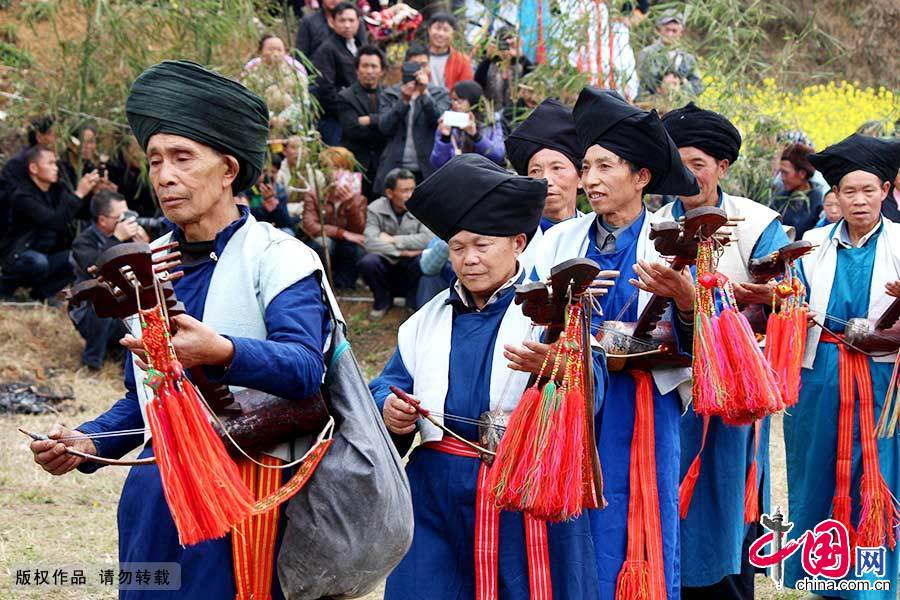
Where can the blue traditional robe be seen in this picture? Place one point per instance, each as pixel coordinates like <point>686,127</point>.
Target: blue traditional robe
<point>615,428</point>
<point>811,427</point>
<point>713,533</point>
<point>289,363</point>
<point>441,562</point>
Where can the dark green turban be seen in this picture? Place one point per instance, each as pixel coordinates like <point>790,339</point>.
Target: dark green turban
<point>182,98</point>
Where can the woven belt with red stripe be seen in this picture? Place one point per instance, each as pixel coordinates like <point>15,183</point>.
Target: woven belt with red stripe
<point>487,534</point>
<point>875,496</point>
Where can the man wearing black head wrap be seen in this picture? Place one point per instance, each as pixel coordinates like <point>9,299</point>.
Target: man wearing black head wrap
<point>487,215</point>
<point>544,146</point>
<point>852,273</point>
<point>254,315</point>
<point>709,144</point>
<point>628,153</point>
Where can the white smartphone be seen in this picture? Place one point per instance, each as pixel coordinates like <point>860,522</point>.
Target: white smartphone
<point>460,120</point>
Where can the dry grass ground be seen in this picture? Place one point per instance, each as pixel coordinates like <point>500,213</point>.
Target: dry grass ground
<point>70,521</point>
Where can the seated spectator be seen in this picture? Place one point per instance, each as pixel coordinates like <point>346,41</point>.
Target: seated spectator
<point>40,131</point>
<point>437,272</point>
<point>358,107</point>
<point>36,253</point>
<point>344,210</point>
<point>284,83</point>
<point>15,172</point>
<point>273,57</point>
<point>316,27</point>
<point>113,224</point>
<point>831,210</point>
<point>663,57</point>
<point>800,203</point>
<point>394,242</point>
<point>335,60</point>
<point>502,69</point>
<point>408,118</point>
<point>448,65</point>
<point>477,136</point>
<point>289,176</point>
<point>268,200</point>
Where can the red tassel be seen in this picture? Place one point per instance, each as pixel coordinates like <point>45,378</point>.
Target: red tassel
<point>633,581</point>
<point>686,489</point>
<point>879,515</point>
<point>841,513</point>
<point>517,441</point>
<point>202,484</point>
<point>785,345</point>
<point>541,466</point>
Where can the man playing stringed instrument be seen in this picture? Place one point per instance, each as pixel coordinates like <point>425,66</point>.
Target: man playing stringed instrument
<point>627,153</point>
<point>709,144</point>
<point>544,146</point>
<point>254,318</point>
<point>449,356</point>
<point>851,274</point>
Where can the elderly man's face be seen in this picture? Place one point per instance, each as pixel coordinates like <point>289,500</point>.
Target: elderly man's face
<point>189,178</point>
<point>707,171</point>
<point>860,195</point>
<point>482,262</point>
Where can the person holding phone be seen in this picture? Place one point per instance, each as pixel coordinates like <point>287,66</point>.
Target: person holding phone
<point>464,129</point>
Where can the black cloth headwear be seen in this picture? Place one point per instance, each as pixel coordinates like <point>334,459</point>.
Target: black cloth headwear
<point>183,98</point>
<point>858,153</point>
<point>550,126</point>
<point>704,129</point>
<point>603,117</point>
<point>473,193</point>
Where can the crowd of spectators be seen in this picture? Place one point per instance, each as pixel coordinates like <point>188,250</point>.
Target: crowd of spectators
<point>69,195</point>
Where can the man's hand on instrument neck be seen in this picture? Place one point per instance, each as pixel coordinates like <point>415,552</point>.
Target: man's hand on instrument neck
<point>195,344</point>
<point>530,357</point>
<point>754,293</point>
<point>51,454</point>
<point>662,280</point>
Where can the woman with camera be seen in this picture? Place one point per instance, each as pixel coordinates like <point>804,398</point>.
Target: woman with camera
<point>464,129</point>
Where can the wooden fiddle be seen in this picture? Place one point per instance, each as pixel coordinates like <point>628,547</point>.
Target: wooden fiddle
<point>132,276</point>
<point>649,342</point>
<point>882,337</point>
<point>766,268</point>
<point>545,303</point>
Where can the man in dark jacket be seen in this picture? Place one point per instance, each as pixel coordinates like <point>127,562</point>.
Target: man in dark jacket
<point>15,171</point>
<point>35,254</point>
<point>358,113</point>
<point>408,118</point>
<point>336,62</point>
<point>315,29</point>
<point>111,227</point>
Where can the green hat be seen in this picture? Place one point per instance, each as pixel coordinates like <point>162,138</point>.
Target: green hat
<point>182,98</point>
